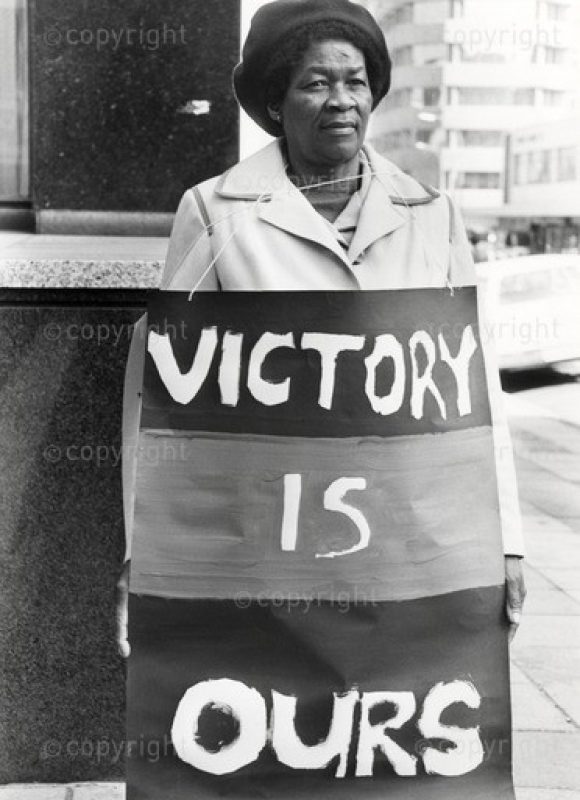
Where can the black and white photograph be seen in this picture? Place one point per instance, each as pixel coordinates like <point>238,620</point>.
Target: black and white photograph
<point>290,400</point>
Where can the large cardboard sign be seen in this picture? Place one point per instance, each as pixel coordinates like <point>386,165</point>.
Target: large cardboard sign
<point>317,594</point>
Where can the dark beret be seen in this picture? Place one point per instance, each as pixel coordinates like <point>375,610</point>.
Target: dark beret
<point>274,22</point>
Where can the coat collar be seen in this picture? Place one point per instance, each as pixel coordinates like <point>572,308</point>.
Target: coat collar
<point>262,178</point>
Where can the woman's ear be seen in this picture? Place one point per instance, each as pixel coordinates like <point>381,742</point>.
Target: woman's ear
<point>275,113</point>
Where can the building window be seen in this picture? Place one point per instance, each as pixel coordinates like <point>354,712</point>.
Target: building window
<point>399,16</point>
<point>423,135</point>
<point>454,53</point>
<point>405,13</point>
<point>14,111</point>
<point>524,97</point>
<point>520,170</point>
<point>399,98</point>
<point>556,12</point>
<point>431,13</point>
<point>539,166</point>
<point>455,8</point>
<point>478,180</point>
<point>480,138</point>
<point>395,140</point>
<point>429,54</point>
<point>480,96</point>
<point>554,55</point>
<point>431,96</point>
<point>403,56</point>
<point>479,56</point>
<point>553,98</point>
<point>567,160</point>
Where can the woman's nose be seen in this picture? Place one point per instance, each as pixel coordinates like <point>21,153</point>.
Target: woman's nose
<point>339,97</point>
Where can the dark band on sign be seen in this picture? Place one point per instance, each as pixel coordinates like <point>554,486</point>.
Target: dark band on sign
<point>427,718</point>
<point>326,364</point>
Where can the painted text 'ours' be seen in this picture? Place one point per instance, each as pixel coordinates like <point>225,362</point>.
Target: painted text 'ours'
<point>247,708</point>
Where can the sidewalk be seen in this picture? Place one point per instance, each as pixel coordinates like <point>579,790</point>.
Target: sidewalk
<point>546,652</point>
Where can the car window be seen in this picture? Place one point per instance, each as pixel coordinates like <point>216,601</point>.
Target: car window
<point>540,284</point>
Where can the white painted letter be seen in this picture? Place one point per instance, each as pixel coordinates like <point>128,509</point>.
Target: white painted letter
<point>230,367</point>
<point>460,367</point>
<point>333,502</point>
<point>468,751</point>
<point>292,494</point>
<point>183,387</point>
<point>266,392</point>
<point>386,346</point>
<point>375,736</point>
<point>292,752</point>
<point>424,382</point>
<point>330,345</point>
<point>246,705</point>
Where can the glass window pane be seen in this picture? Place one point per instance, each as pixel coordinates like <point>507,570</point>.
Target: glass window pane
<point>478,180</point>
<point>431,96</point>
<point>481,138</point>
<point>14,176</point>
<point>567,164</point>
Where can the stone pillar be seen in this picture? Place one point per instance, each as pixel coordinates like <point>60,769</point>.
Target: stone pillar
<point>131,104</point>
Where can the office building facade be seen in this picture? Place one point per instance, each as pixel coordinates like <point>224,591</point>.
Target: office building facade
<point>466,74</point>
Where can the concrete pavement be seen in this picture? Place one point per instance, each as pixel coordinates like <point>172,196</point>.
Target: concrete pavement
<point>545,425</point>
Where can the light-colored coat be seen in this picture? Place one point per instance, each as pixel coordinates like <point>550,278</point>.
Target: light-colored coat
<point>252,229</point>
<point>265,235</point>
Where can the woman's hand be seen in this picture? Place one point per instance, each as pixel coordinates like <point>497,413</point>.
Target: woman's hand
<point>515,592</point>
<point>123,646</point>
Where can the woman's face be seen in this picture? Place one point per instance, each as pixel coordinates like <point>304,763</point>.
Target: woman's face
<point>327,106</point>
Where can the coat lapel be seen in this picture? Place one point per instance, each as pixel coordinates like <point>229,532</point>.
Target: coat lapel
<point>378,216</point>
<point>290,211</point>
<point>262,178</point>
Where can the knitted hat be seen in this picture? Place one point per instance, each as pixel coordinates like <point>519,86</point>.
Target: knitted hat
<point>271,26</point>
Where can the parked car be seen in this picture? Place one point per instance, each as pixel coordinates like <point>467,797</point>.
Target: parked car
<point>533,309</point>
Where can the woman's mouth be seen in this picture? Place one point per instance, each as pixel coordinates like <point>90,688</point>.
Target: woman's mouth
<point>340,128</point>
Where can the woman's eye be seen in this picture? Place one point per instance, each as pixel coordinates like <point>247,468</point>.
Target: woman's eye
<point>316,84</point>
<point>359,82</point>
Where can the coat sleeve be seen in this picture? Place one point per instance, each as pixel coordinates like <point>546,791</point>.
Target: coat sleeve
<point>462,272</point>
<point>188,263</point>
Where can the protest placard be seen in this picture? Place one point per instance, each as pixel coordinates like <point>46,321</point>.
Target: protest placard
<point>317,583</point>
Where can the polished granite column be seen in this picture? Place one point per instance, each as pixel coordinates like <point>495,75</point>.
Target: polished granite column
<point>65,329</point>
<point>131,104</point>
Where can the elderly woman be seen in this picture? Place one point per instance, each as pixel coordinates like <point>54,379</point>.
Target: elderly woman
<point>318,209</point>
